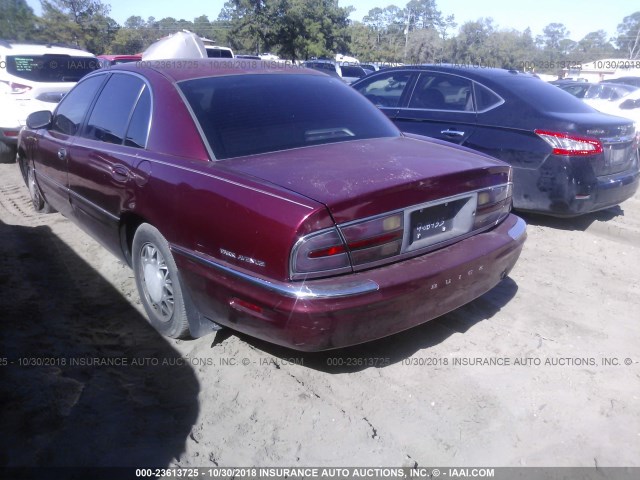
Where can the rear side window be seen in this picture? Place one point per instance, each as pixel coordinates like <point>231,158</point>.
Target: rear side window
<point>385,90</point>
<point>74,105</point>
<point>110,116</point>
<point>485,98</point>
<point>51,68</point>
<point>139,124</point>
<point>436,91</point>
<point>250,114</point>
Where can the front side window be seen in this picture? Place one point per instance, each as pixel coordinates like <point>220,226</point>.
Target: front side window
<point>51,67</point>
<point>436,91</point>
<point>385,90</point>
<point>74,105</point>
<point>110,116</point>
<point>251,114</point>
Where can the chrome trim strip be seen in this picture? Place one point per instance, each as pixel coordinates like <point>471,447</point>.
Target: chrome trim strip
<point>97,208</point>
<point>340,288</point>
<point>518,229</point>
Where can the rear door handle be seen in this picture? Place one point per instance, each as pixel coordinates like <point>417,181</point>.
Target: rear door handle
<point>452,133</point>
<point>62,154</point>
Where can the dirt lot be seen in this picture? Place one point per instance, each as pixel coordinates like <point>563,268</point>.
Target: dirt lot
<point>430,396</point>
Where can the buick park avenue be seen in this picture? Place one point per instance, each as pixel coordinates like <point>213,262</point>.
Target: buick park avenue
<point>275,201</point>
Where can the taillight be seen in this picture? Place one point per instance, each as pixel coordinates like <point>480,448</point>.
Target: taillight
<point>319,254</point>
<point>18,87</point>
<point>330,252</point>
<point>493,205</point>
<point>565,144</point>
<point>375,239</point>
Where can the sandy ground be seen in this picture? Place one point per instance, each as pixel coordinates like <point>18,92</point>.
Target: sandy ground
<point>571,305</point>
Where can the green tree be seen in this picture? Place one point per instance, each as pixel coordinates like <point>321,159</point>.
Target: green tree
<point>85,23</point>
<point>17,20</point>
<point>628,39</point>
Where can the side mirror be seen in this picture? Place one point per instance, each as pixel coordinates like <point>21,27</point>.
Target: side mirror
<point>41,119</point>
<point>630,104</point>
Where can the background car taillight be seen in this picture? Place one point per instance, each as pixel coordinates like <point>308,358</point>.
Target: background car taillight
<point>326,253</point>
<point>17,87</point>
<point>493,205</point>
<point>565,144</point>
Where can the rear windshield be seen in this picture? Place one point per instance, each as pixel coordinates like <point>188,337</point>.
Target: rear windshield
<point>51,68</point>
<point>545,97</point>
<point>348,71</point>
<point>219,53</point>
<point>259,113</point>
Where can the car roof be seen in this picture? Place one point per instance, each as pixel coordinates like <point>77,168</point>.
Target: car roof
<point>120,57</point>
<point>467,70</point>
<point>39,49</point>
<point>177,69</point>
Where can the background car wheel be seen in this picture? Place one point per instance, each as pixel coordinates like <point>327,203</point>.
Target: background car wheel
<point>159,283</point>
<point>7,153</point>
<point>38,201</point>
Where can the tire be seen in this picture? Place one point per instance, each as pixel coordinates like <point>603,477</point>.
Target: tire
<point>159,284</point>
<point>7,153</point>
<point>37,199</point>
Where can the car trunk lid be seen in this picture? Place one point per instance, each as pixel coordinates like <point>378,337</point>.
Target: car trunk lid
<point>362,178</point>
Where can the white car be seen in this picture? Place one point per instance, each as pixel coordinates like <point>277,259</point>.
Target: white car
<point>600,95</point>
<point>32,78</point>
<point>627,106</point>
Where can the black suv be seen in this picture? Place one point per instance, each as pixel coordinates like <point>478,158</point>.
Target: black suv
<point>568,159</point>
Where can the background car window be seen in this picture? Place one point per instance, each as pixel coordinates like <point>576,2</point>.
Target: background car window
<point>250,114</point>
<point>110,116</point>
<point>485,98</point>
<point>50,67</point>
<point>385,90</point>
<point>139,124</point>
<point>436,91</point>
<point>75,104</point>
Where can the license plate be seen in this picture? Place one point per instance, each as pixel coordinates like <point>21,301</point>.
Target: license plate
<point>618,156</point>
<point>436,220</point>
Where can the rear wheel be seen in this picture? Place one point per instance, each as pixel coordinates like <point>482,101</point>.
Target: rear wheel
<point>7,153</point>
<point>38,201</point>
<point>159,283</point>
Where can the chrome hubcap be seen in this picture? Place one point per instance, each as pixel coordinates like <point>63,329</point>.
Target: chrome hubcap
<point>33,188</point>
<point>158,287</point>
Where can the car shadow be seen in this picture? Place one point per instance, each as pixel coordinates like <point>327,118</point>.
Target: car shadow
<point>395,348</point>
<point>85,380</point>
<point>581,223</point>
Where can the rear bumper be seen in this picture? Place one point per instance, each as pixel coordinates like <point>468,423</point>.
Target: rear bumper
<point>351,309</point>
<point>568,187</point>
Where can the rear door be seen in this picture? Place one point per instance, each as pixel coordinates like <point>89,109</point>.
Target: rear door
<point>440,106</point>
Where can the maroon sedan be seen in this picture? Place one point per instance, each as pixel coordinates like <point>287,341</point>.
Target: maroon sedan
<point>276,201</point>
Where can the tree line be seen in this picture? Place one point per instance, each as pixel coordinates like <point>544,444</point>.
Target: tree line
<point>301,29</point>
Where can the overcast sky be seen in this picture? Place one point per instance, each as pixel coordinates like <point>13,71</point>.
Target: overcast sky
<point>580,18</point>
